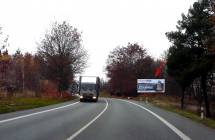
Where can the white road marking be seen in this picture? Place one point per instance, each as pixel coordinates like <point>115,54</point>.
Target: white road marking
<point>88,124</point>
<point>36,113</point>
<point>172,127</point>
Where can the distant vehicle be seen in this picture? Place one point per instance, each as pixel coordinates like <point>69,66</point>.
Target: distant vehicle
<point>89,88</point>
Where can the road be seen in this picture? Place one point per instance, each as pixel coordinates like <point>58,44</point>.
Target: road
<point>108,119</point>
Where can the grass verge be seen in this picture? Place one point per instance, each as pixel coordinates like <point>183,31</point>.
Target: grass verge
<point>168,103</point>
<point>188,114</point>
<point>16,104</point>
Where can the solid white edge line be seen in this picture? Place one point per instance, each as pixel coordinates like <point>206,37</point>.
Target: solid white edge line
<point>172,127</point>
<point>36,113</point>
<point>88,124</point>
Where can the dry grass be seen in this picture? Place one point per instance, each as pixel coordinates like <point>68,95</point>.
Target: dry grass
<point>15,104</point>
<point>27,100</point>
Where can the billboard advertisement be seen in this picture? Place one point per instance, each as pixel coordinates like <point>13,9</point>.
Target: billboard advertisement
<point>150,85</point>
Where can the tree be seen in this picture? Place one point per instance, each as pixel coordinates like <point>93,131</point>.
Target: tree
<point>31,73</point>
<point>125,65</point>
<point>63,54</point>
<point>5,61</point>
<point>26,72</point>
<point>190,57</point>
<point>18,67</point>
<point>180,65</point>
<point>3,41</point>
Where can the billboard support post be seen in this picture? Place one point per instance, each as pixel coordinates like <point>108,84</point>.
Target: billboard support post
<point>141,99</point>
<point>146,100</point>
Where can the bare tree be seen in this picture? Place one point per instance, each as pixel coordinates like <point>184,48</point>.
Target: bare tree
<point>5,61</point>
<point>3,41</point>
<point>125,65</point>
<point>63,54</point>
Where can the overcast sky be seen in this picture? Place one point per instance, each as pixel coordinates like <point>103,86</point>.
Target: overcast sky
<point>104,24</point>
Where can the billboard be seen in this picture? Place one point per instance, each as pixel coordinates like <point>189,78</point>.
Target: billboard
<point>150,85</point>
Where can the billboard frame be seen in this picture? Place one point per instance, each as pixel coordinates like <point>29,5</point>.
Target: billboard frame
<point>151,86</point>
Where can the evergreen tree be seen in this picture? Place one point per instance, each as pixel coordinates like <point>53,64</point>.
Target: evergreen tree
<point>190,55</point>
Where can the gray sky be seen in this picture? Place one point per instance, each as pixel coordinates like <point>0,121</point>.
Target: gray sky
<point>104,24</point>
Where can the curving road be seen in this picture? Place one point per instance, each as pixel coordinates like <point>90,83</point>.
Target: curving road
<point>108,119</point>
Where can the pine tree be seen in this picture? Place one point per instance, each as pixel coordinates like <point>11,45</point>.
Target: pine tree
<point>190,55</point>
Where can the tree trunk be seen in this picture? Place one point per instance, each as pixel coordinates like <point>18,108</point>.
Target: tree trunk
<point>205,95</point>
<point>182,98</point>
<point>59,91</point>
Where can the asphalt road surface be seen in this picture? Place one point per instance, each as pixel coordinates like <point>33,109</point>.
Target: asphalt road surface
<point>108,119</point>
